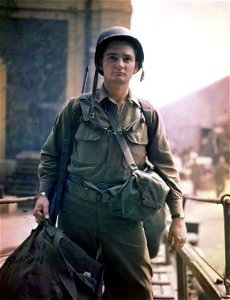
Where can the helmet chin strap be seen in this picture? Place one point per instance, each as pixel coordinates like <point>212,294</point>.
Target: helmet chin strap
<point>142,74</point>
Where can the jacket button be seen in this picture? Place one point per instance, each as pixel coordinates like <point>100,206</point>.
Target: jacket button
<point>99,196</point>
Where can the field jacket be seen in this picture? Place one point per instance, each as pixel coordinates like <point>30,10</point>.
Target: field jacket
<point>96,155</point>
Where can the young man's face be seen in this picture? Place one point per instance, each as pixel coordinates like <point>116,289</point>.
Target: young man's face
<point>118,62</point>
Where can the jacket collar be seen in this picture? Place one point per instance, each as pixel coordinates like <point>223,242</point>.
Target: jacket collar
<point>102,94</point>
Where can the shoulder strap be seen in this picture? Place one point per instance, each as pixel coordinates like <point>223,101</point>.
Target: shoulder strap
<point>147,109</point>
<point>150,118</point>
<point>121,139</point>
<point>85,105</point>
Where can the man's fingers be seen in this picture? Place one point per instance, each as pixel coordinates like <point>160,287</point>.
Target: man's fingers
<point>170,239</point>
<point>41,211</point>
<point>179,243</point>
<point>46,211</point>
<point>176,243</point>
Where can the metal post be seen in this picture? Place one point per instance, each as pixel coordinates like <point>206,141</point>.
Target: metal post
<point>182,281</point>
<point>225,200</point>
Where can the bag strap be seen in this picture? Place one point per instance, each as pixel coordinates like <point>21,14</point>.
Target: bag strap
<point>121,139</point>
<point>65,273</point>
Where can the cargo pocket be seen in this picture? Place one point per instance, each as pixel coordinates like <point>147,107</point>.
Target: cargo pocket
<point>137,140</point>
<point>91,147</point>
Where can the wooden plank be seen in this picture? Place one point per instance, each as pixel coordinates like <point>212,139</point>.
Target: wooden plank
<point>161,282</point>
<point>161,292</point>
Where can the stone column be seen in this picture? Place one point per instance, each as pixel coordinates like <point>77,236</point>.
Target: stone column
<point>2,122</point>
<point>2,108</point>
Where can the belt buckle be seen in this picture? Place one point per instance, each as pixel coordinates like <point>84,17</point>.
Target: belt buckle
<point>102,186</point>
<point>91,196</point>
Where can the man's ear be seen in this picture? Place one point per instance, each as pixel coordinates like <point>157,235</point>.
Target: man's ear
<point>136,69</point>
<point>100,64</point>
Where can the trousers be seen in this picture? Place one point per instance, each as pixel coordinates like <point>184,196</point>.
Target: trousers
<point>120,244</point>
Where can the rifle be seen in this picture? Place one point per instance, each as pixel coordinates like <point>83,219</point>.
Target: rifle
<point>85,79</point>
<point>66,150</point>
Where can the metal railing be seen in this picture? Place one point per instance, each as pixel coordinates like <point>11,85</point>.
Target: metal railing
<point>17,200</point>
<point>213,284</point>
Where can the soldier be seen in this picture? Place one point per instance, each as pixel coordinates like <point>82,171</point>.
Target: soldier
<point>97,164</point>
<point>195,175</point>
<point>221,174</point>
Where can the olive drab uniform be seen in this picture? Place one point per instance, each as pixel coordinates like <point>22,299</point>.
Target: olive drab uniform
<point>98,163</point>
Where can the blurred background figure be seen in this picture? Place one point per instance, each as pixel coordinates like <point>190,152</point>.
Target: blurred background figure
<point>195,175</point>
<point>221,175</point>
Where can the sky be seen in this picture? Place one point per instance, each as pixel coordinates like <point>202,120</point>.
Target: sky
<point>186,46</point>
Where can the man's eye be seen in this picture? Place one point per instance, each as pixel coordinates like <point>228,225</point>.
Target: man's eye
<point>112,58</point>
<point>127,59</point>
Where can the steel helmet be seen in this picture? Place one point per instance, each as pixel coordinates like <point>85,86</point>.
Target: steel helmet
<point>118,33</point>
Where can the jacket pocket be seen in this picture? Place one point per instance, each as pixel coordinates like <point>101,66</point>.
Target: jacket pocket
<point>91,146</point>
<point>137,140</point>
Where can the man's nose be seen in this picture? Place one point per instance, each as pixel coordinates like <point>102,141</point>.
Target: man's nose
<point>119,63</point>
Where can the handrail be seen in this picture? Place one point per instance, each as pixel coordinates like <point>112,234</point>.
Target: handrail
<point>225,199</point>
<point>209,200</point>
<point>17,199</point>
<point>209,280</point>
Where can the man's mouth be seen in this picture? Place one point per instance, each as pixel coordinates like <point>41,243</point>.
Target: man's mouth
<point>119,73</point>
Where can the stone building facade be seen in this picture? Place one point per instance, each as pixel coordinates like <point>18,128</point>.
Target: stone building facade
<point>200,121</point>
<point>45,47</point>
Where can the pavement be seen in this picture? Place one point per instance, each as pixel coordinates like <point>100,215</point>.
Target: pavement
<point>15,226</point>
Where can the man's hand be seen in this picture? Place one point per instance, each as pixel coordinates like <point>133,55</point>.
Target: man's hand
<point>41,209</point>
<point>177,234</point>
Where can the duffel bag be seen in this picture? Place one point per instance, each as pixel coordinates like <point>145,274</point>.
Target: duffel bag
<point>48,265</point>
